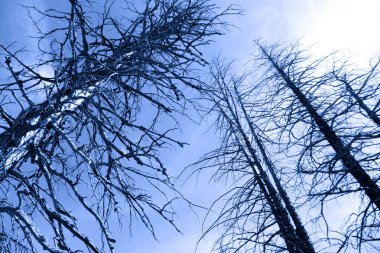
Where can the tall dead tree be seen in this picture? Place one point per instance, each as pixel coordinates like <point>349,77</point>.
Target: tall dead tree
<point>331,135</point>
<point>84,139</point>
<point>258,215</point>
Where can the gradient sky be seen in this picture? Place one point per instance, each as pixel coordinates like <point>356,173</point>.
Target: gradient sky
<point>329,25</point>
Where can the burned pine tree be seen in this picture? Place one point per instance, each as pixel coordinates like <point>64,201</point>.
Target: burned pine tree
<point>318,113</point>
<point>87,136</point>
<point>257,213</point>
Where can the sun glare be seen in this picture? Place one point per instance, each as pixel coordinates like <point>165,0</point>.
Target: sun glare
<point>350,26</point>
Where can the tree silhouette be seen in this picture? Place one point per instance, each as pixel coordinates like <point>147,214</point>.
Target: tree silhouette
<point>84,141</point>
<point>303,126</point>
<point>258,214</point>
<point>326,117</point>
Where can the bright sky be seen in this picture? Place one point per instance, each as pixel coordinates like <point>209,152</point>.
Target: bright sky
<point>348,25</point>
<point>329,25</point>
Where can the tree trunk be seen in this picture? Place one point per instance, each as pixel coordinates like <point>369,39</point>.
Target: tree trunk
<point>371,114</point>
<point>293,242</point>
<point>371,189</point>
<point>300,229</point>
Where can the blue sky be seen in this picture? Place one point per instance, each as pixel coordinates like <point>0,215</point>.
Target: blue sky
<point>327,25</point>
<point>347,25</point>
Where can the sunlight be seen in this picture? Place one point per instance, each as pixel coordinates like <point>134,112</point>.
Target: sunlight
<point>350,26</point>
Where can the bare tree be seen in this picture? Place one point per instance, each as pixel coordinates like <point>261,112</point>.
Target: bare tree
<point>84,141</point>
<point>361,87</point>
<point>325,123</point>
<point>258,215</point>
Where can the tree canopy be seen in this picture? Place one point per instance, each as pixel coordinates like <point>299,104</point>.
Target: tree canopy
<point>85,140</point>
